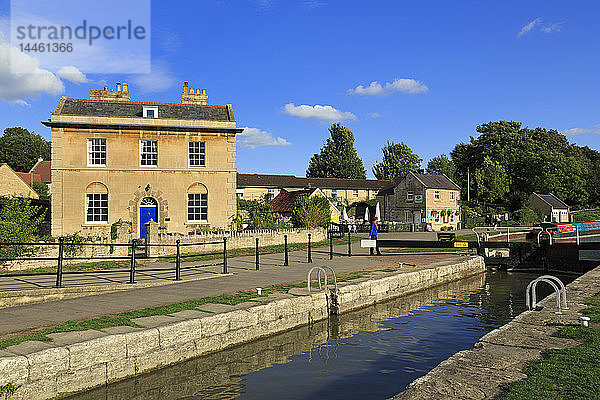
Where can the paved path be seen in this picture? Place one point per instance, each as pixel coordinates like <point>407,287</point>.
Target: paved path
<point>244,276</point>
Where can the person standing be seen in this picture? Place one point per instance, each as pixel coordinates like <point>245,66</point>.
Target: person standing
<point>373,235</point>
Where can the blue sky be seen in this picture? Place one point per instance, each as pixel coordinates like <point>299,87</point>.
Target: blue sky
<point>291,68</point>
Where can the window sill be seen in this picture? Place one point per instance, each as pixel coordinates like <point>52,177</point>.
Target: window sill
<point>95,224</point>
<point>196,166</point>
<point>203,222</point>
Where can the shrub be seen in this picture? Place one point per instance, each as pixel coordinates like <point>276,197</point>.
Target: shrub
<point>528,216</point>
<point>310,212</point>
<point>19,222</point>
<point>586,216</point>
<point>258,215</point>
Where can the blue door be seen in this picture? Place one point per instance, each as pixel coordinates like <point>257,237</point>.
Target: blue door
<point>148,208</point>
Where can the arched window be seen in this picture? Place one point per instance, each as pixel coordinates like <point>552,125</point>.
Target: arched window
<point>197,203</point>
<point>96,203</point>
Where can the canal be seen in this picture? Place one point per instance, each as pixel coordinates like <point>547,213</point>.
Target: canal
<point>372,353</point>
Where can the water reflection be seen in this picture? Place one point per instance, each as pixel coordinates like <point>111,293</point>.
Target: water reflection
<point>371,353</point>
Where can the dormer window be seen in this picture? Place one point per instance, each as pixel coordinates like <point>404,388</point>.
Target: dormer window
<point>150,112</point>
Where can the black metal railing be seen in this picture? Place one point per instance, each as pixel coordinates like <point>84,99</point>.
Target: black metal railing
<point>61,258</point>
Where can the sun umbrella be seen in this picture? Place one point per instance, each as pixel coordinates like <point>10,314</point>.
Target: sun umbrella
<point>345,215</point>
<point>367,214</point>
<point>377,212</point>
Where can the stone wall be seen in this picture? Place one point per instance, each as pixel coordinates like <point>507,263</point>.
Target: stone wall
<point>235,240</point>
<point>77,361</point>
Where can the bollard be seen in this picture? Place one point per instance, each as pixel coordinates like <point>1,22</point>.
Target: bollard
<point>224,255</point>
<point>59,268</point>
<point>285,251</point>
<point>349,244</point>
<point>132,266</point>
<point>309,250</point>
<point>257,256</point>
<point>178,262</point>
<point>330,246</point>
<point>577,231</point>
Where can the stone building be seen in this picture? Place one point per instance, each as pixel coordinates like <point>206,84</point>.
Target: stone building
<point>430,199</point>
<point>116,159</point>
<point>16,183</point>
<point>553,208</point>
<point>347,191</point>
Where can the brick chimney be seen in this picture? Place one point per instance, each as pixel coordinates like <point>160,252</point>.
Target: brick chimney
<point>111,95</point>
<point>193,96</point>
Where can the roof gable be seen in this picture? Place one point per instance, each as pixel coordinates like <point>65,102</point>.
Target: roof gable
<point>552,200</point>
<point>43,169</point>
<point>291,181</point>
<point>436,181</point>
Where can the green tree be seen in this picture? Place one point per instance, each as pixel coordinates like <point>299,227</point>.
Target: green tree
<point>441,165</point>
<point>398,160</point>
<point>19,222</point>
<point>42,190</point>
<point>21,149</point>
<point>310,212</point>
<point>537,159</point>
<point>338,157</point>
<point>491,181</point>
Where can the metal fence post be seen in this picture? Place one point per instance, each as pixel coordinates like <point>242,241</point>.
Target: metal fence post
<point>59,268</point>
<point>309,249</point>
<point>330,246</point>
<point>577,231</point>
<point>132,266</point>
<point>178,262</point>
<point>285,251</point>
<point>257,261</point>
<point>224,255</point>
<point>349,244</point>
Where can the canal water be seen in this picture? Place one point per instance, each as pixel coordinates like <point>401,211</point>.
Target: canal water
<point>372,353</point>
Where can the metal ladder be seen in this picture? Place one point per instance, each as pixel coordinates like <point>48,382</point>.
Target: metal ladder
<point>530,293</point>
<point>323,270</point>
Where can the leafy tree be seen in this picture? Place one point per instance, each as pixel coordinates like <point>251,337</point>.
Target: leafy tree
<point>338,157</point>
<point>539,159</point>
<point>21,149</point>
<point>491,181</point>
<point>310,212</point>
<point>19,222</point>
<point>527,216</point>
<point>398,160</point>
<point>441,165</point>
<point>42,190</point>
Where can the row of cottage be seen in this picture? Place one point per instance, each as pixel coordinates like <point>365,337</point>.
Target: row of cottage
<point>117,159</point>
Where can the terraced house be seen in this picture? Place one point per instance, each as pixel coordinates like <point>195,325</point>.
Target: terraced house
<point>116,159</point>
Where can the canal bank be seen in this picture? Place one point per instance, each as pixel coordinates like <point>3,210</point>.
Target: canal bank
<point>77,361</point>
<point>498,358</point>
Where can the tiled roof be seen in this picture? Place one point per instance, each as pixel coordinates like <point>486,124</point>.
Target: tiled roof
<point>436,181</point>
<point>284,201</point>
<point>26,177</point>
<point>134,109</point>
<point>387,191</point>
<point>291,181</point>
<point>551,199</point>
<point>43,169</point>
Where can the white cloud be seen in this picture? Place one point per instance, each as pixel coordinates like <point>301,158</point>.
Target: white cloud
<point>540,25</point>
<point>318,112</point>
<point>72,74</point>
<point>26,79</point>
<point>159,80</point>
<point>254,137</point>
<point>579,131</point>
<point>375,115</point>
<point>409,86</point>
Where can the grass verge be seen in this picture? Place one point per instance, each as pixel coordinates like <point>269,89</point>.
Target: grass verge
<point>95,266</point>
<point>571,373</point>
<point>125,318</point>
